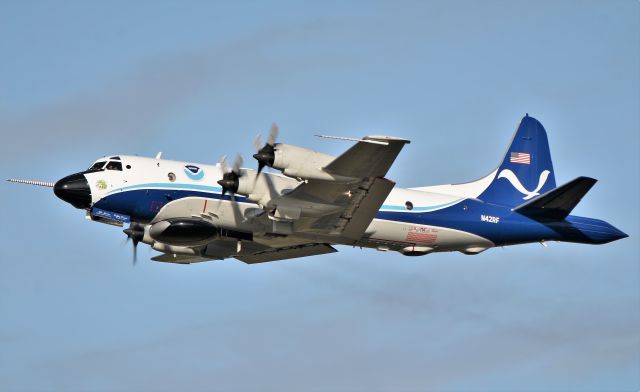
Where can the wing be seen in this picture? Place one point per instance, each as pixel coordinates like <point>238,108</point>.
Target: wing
<point>368,159</point>
<point>343,209</point>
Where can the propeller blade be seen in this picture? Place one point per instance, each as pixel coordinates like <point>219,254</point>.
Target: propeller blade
<point>237,164</point>
<point>223,164</point>
<point>135,233</point>
<point>219,202</point>
<point>273,134</point>
<point>257,142</point>
<point>135,252</point>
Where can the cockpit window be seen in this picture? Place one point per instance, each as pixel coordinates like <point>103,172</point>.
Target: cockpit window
<point>97,166</point>
<point>112,165</point>
<point>115,158</point>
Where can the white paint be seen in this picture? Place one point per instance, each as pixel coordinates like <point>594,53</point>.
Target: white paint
<point>511,177</point>
<point>152,173</point>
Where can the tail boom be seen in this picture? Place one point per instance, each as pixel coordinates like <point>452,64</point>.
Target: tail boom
<point>586,230</point>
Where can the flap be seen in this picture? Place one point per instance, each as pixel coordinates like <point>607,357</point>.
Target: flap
<point>338,209</point>
<point>357,217</point>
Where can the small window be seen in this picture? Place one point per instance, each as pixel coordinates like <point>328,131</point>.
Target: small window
<point>114,166</point>
<point>97,166</point>
<point>408,205</point>
<point>115,158</point>
<point>172,177</point>
<point>128,166</point>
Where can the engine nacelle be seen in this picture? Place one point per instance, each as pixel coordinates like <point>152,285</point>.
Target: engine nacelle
<point>184,232</point>
<point>263,187</point>
<point>302,163</point>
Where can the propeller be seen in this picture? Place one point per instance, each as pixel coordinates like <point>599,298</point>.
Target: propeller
<point>230,178</point>
<point>266,154</point>
<point>135,233</point>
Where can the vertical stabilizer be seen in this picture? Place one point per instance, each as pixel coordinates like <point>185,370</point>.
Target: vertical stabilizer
<point>526,170</point>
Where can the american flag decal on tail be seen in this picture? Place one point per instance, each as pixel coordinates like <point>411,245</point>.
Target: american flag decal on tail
<point>520,157</point>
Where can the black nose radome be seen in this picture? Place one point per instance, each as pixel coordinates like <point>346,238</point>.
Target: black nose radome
<point>74,189</point>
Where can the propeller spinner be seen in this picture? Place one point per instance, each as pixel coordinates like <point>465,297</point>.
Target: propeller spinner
<point>266,154</point>
<point>230,178</point>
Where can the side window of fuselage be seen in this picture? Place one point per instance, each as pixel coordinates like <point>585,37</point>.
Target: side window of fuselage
<point>112,165</point>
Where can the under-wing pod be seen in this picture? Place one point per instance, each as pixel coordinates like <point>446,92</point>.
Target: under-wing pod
<point>416,250</point>
<point>184,231</point>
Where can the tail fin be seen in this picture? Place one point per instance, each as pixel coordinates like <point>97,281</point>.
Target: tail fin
<point>526,170</point>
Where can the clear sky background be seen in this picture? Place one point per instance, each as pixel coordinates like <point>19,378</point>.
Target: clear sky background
<point>199,79</point>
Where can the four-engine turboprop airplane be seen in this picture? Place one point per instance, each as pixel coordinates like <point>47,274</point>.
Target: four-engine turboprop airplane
<point>197,212</point>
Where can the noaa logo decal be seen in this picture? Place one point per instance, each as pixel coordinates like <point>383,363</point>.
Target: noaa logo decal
<point>511,177</point>
<point>101,184</point>
<point>193,172</point>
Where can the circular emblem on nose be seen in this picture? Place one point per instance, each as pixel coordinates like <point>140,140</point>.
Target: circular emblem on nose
<point>101,184</point>
<point>194,172</point>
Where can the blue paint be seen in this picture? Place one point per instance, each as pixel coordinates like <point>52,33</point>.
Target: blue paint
<point>525,172</point>
<point>142,202</point>
<point>194,172</point>
<point>110,215</point>
<point>530,139</point>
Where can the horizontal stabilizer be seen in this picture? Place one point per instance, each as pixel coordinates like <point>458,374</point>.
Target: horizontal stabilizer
<point>557,203</point>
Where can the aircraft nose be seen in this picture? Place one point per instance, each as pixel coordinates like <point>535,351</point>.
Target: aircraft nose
<point>74,189</point>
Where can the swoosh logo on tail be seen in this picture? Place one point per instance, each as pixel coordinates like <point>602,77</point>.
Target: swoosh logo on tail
<point>509,175</point>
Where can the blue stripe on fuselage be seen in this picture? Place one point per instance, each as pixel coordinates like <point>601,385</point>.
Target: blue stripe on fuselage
<point>142,204</point>
<point>164,186</point>
<point>386,207</point>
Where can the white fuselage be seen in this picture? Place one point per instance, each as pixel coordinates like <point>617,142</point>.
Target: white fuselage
<point>142,173</point>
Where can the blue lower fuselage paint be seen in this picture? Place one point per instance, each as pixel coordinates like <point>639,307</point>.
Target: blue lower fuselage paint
<point>498,224</point>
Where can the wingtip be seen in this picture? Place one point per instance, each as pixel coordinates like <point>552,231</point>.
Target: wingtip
<point>385,138</point>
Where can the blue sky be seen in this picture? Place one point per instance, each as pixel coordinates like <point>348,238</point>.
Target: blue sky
<point>198,79</point>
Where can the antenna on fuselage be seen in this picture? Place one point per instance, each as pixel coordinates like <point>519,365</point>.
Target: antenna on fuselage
<point>159,155</point>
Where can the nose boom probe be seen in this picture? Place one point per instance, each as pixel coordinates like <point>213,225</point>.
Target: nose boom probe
<point>30,182</point>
